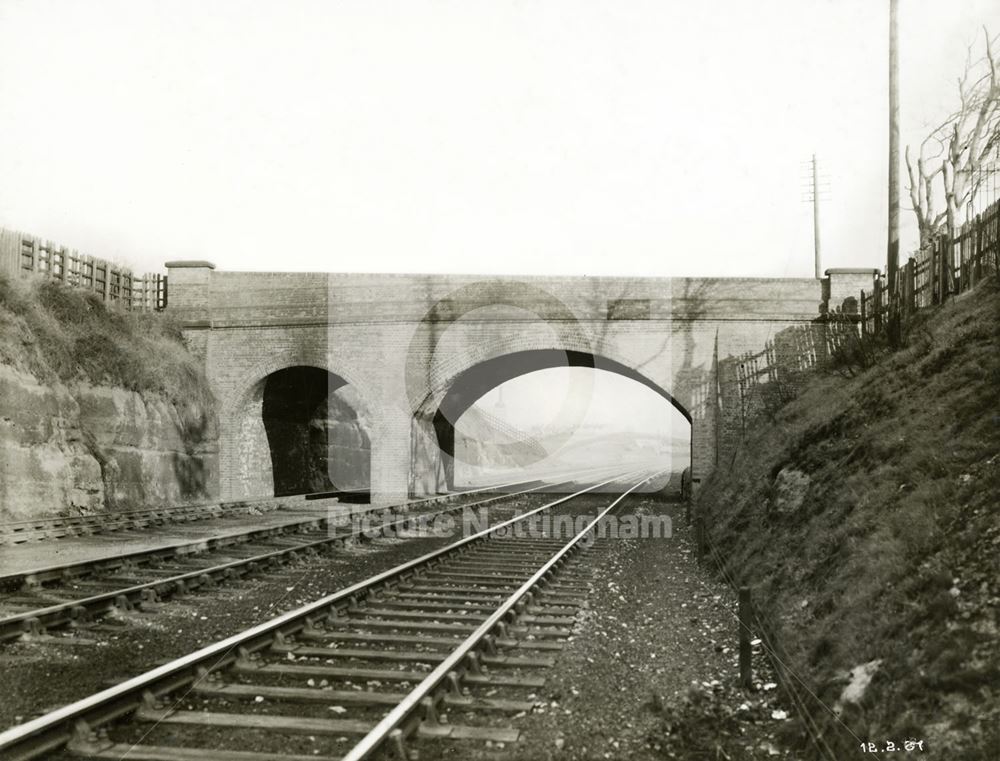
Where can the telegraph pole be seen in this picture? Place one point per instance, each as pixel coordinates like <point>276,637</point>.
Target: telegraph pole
<point>812,190</point>
<point>816,245</point>
<point>892,264</point>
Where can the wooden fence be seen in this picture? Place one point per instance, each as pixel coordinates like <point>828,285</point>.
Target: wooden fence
<point>785,357</point>
<point>22,255</point>
<point>796,348</point>
<point>945,269</point>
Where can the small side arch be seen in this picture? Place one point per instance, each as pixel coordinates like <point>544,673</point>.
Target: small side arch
<point>246,462</point>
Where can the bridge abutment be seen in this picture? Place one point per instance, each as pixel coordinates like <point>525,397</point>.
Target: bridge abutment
<point>390,480</point>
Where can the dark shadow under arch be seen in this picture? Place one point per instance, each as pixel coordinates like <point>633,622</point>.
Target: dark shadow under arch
<point>472,383</point>
<point>317,439</point>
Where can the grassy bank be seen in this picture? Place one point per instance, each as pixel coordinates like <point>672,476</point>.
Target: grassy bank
<point>865,518</point>
<point>58,333</point>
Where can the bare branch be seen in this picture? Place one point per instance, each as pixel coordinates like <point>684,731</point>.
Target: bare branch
<point>950,162</point>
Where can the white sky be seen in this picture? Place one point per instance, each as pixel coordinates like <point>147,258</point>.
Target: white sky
<point>596,399</point>
<point>587,403</point>
<point>658,138</point>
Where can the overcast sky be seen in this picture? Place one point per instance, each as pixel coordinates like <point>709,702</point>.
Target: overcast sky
<point>658,138</point>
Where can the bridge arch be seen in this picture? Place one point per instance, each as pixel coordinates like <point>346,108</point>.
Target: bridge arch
<point>433,441</point>
<point>252,418</point>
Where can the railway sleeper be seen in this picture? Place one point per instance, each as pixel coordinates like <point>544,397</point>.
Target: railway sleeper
<point>286,724</point>
<point>142,752</point>
<point>419,656</point>
<point>250,692</point>
<point>326,671</point>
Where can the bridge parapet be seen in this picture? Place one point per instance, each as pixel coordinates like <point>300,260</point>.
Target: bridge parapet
<point>234,299</point>
<point>843,286</point>
<point>191,300</point>
<point>190,291</point>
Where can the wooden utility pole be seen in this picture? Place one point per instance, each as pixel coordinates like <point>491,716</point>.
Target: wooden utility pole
<point>811,193</point>
<point>893,324</point>
<point>818,266</point>
<point>892,265</point>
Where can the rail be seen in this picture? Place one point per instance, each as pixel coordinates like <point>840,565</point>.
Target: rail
<point>391,723</point>
<point>49,732</point>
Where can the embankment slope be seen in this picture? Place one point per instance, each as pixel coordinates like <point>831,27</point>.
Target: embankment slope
<point>864,515</point>
<point>99,409</point>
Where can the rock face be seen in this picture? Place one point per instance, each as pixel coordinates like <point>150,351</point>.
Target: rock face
<point>346,460</point>
<point>81,448</point>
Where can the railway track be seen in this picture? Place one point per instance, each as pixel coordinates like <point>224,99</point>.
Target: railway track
<point>74,594</point>
<point>63,526</point>
<point>59,527</point>
<point>450,647</point>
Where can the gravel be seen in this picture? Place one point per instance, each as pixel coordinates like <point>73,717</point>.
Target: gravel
<point>657,641</point>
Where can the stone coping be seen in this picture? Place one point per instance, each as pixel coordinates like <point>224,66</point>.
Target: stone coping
<point>189,263</point>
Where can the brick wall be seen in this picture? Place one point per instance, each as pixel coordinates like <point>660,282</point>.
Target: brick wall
<point>401,340</point>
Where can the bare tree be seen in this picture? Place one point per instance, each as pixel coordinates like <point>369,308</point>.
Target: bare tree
<point>957,149</point>
<point>922,190</point>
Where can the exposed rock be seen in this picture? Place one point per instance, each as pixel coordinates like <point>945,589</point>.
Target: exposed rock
<point>84,448</point>
<point>790,487</point>
<point>858,680</point>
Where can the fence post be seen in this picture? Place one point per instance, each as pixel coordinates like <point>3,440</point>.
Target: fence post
<point>932,274</point>
<point>942,269</point>
<point>964,256</point>
<point>874,309</point>
<point>877,310</point>
<point>910,286</point>
<point>864,314</point>
<point>947,269</point>
<point>977,250</point>
<point>995,239</point>
<point>746,671</point>
<point>699,534</point>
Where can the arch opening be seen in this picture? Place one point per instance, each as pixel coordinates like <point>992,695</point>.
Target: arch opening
<point>589,402</point>
<point>317,433</point>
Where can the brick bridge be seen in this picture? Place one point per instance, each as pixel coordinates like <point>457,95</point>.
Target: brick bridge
<point>417,350</point>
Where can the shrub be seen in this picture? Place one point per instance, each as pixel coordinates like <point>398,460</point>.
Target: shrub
<point>857,353</point>
<point>60,333</point>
